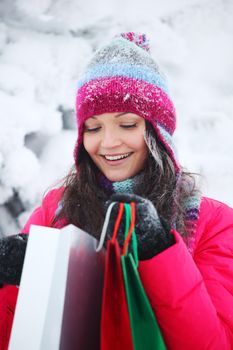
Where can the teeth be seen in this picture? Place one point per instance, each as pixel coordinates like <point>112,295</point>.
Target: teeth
<point>121,156</point>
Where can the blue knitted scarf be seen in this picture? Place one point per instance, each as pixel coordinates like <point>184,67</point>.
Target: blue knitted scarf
<point>125,186</point>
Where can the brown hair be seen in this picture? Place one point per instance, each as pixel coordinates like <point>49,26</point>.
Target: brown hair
<point>84,199</point>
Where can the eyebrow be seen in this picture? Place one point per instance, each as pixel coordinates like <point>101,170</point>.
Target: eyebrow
<point>116,116</point>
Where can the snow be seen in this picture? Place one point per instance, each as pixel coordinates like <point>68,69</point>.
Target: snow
<point>20,167</point>
<point>44,46</point>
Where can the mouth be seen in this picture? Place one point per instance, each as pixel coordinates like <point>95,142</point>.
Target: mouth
<point>116,159</point>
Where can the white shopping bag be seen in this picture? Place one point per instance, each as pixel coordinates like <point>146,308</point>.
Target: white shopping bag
<point>59,300</point>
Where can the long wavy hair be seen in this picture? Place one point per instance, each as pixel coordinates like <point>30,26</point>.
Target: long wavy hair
<point>84,199</point>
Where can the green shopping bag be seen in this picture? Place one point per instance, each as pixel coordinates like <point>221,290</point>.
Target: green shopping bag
<point>145,330</point>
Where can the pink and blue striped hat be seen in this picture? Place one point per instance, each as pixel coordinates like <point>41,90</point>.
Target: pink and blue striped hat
<point>123,77</point>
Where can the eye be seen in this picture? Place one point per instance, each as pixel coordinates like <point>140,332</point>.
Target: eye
<point>128,126</point>
<point>89,129</point>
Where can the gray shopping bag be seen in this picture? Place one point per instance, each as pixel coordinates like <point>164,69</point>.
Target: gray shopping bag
<point>59,301</point>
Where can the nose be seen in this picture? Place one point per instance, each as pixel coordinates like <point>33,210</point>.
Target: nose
<point>110,138</point>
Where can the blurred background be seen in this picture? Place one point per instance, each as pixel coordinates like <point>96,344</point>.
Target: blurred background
<point>44,45</point>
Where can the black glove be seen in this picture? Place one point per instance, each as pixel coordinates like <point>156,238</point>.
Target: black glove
<point>153,234</point>
<point>12,252</point>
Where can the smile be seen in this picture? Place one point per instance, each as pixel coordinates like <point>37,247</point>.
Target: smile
<point>117,157</point>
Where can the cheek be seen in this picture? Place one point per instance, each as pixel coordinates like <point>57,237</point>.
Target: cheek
<point>138,143</point>
<point>85,143</point>
<point>91,148</point>
<point>88,144</point>
<point>142,150</point>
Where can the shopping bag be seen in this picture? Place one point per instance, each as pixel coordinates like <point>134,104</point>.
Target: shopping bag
<point>60,294</point>
<point>115,324</point>
<point>145,330</point>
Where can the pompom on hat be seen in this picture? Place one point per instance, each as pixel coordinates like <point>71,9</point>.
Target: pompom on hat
<point>123,77</point>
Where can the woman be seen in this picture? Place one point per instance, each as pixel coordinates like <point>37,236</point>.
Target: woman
<point>125,152</point>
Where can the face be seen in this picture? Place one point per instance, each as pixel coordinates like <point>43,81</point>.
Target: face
<point>115,143</point>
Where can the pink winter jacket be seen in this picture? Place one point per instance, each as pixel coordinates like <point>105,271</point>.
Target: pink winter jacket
<point>191,293</point>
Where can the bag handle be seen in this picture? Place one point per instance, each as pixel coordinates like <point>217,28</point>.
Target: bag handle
<point>130,213</point>
<point>130,218</point>
<point>118,220</point>
<point>129,224</point>
<point>105,226</point>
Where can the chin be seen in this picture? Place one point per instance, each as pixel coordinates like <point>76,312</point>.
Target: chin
<point>117,178</point>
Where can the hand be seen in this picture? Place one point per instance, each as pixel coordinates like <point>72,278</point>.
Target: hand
<point>153,234</point>
<point>12,252</point>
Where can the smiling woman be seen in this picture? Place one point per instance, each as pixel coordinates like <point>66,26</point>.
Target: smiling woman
<point>115,142</point>
<point>125,153</point>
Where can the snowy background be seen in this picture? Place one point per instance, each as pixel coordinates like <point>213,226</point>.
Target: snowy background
<point>44,44</point>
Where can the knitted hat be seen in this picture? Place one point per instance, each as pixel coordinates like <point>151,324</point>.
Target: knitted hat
<point>123,77</point>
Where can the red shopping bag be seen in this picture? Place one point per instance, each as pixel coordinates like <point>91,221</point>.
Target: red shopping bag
<point>115,324</point>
